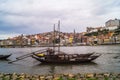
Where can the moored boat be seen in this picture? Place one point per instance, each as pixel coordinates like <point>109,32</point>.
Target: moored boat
<point>51,56</point>
<point>4,56</point>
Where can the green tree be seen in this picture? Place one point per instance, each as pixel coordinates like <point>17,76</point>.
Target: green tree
<point>117,31</point>
<point>105,31</point>
<point>92,34</point>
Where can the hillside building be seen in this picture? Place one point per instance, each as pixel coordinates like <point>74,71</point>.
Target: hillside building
<point>112,23</point>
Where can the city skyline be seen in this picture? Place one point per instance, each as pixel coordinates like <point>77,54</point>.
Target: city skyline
<point>37,16</point>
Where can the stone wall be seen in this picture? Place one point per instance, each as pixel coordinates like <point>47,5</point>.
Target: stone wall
<point>87,76</point>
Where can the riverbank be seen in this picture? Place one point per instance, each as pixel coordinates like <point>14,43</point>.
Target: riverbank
<point>87,76</point>
<point>73,45</point>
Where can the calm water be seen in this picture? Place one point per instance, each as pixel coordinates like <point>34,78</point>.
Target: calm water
<point>109,61</point>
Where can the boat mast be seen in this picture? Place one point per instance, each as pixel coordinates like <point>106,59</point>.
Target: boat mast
<point>74,37</point>
<point>54,38</point>
<point>59,36</point>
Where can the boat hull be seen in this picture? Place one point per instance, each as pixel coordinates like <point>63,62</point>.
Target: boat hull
<point>52,56</point>
<point>5,56</point>
<point>83,60</point>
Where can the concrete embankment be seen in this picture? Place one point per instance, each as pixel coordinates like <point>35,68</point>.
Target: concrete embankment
<point>85,76</point>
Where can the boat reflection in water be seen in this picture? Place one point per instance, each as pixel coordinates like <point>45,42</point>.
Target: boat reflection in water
<point>64,68</point>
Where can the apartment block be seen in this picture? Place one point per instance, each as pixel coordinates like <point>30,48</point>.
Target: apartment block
<point>112,23</point>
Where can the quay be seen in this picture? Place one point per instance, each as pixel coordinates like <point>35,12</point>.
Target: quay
<point>70,45</point>
<point>79,76</point>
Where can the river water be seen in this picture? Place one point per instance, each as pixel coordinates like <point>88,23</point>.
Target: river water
<point>109,61</point>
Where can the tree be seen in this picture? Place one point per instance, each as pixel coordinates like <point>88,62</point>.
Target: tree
<point>92,34</point>
<point>105,31</point>
<point>57,40</point>
<point>99,32</point>
<point>117,31</point>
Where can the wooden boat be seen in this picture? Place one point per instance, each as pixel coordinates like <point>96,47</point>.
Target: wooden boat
<point>5,56</point>
<point>54,57</point>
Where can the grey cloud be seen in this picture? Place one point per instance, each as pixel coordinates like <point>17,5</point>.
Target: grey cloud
<point>34,16</point>
<point>104,8</point>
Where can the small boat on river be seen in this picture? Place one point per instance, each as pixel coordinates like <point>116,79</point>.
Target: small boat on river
<point>5,56</point>
<point>51,56</point>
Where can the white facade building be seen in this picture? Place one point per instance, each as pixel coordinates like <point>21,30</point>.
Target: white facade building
<point>111,28</point>
<point>112,23</point>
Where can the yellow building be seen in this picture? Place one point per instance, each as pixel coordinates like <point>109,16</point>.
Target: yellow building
<point>71,40</point>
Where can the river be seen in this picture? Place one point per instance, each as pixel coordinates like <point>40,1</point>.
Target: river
<point>109,61</point>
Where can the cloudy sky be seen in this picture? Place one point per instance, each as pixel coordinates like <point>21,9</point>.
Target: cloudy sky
<point>37,16</point>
